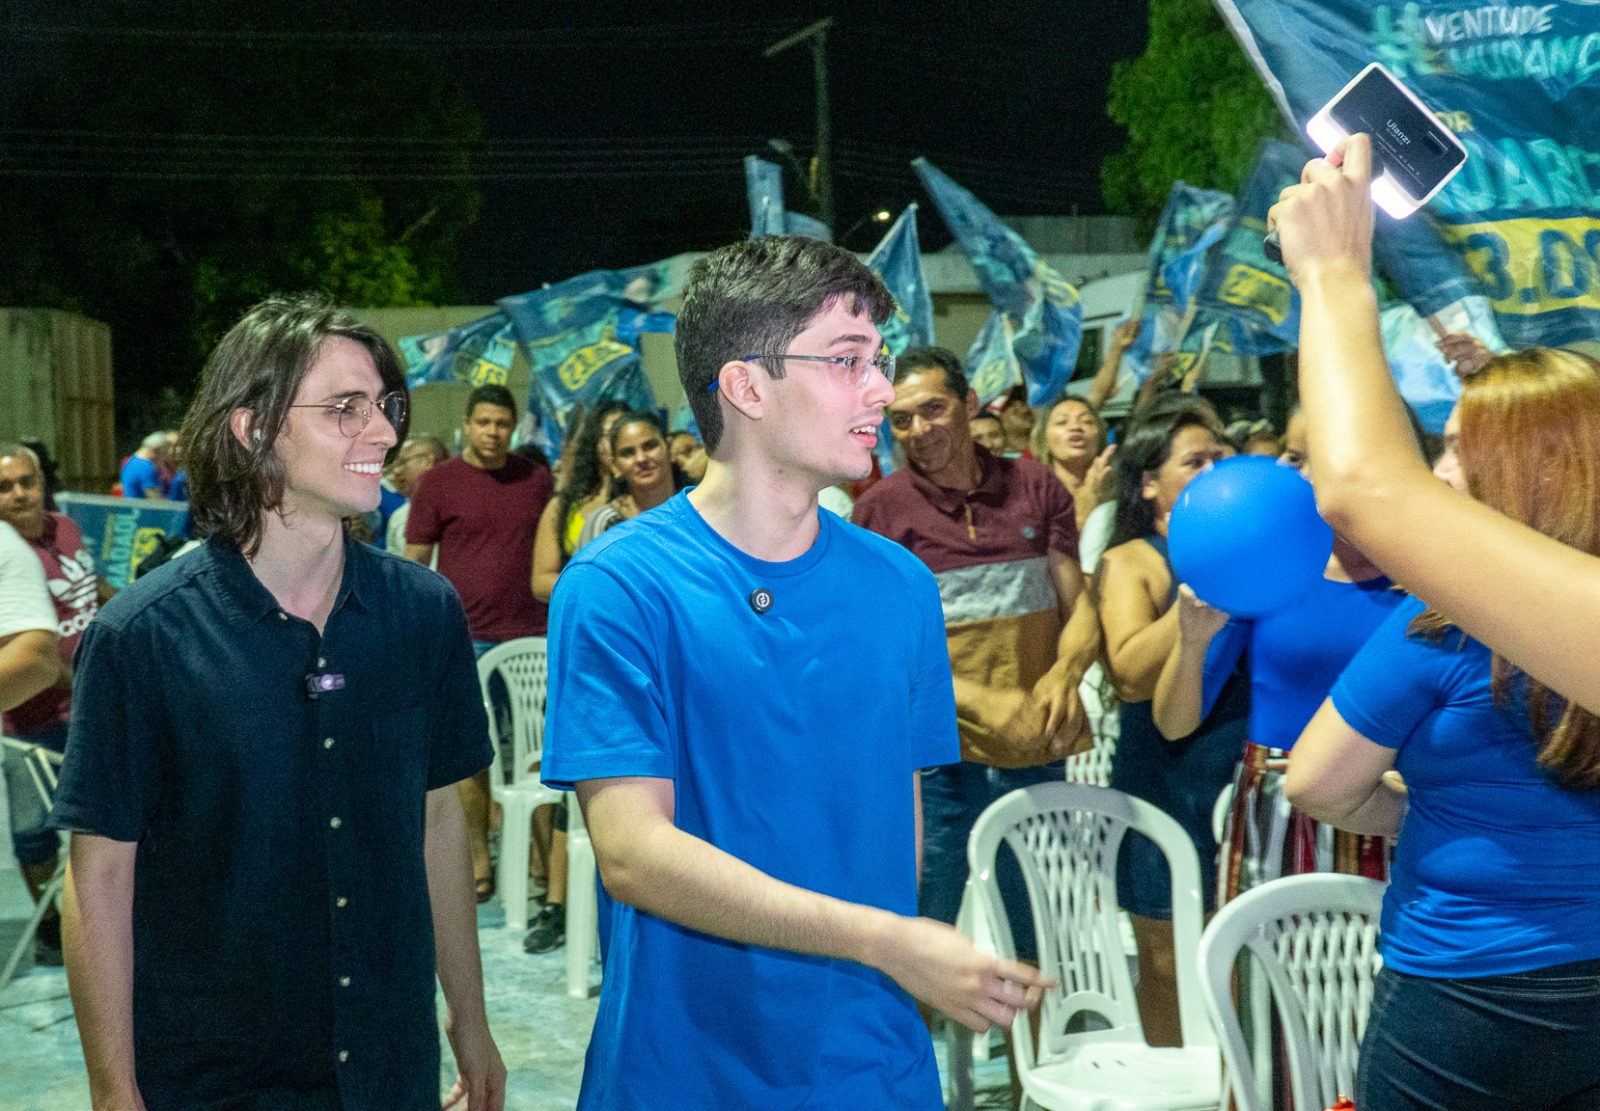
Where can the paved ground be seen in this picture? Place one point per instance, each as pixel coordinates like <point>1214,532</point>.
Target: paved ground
<point>541,1031</point>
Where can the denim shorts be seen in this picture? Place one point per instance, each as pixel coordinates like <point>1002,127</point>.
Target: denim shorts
<point>1523,1042</point>
<point>953,795</point>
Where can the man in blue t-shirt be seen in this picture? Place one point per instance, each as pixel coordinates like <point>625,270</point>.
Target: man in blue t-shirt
<point>742,690</point>
<point>141,475</point>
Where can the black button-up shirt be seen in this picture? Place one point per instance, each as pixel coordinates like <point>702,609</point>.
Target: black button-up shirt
<point>283,936</point>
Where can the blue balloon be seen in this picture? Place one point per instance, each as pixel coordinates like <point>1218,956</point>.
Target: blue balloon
<point>1246,537</point>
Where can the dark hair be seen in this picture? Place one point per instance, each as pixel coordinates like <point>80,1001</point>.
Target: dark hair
<point>584,480</point>
<point>984,414</point>
<point>641,416</point>
<point>916,360</point>
<point>1039,440</point>
<point>436,447</point>
<point>492,394</point>
<point>533,453</point>
<point>757,296</point>
<point>1145,446</point>
<point>259,366</point>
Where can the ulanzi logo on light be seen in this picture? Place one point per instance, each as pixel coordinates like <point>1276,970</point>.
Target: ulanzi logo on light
<point>1394,129</point>
<point>761,599</point>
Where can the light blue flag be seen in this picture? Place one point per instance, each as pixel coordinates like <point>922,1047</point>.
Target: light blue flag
<point>1428,383</point>
<point>1519,84</point>
<point>1046,314</point>
<point>1242,283</point>
<point>992,366</point>
<point>478,353</point>
<point>897,260</point>
<point>581,337</point>
<point>1191,223</point>
<point>763,183</point>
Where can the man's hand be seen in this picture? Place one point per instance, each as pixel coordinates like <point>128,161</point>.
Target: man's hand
<point>1065,720</point>
<point>1326,220</point>
<point>1467,353</point>
<point>480,1074</point>
<point>940,967</point>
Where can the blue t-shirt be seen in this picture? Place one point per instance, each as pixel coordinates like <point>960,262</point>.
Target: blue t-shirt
<point>139,475</point>
<point>792,737</point>
<point>1297,652</point>
<point>1497,869</point>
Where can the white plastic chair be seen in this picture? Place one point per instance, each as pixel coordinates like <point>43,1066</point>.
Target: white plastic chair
<point>42,764</point>
<point>521,663</point>
<point>1315,938</point>
<point>1092,1055</point>
<point>1093,766</point>
<point>583,910</point>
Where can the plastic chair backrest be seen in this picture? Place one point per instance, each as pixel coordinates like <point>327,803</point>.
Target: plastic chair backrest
<point>1315,938</point>
<point>522,663</point>
<point>1066,837</point>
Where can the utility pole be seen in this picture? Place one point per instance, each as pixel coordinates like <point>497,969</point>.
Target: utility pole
<point>821,182</point>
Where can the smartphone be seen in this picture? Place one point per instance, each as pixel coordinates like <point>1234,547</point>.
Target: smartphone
<point>1413,154</point>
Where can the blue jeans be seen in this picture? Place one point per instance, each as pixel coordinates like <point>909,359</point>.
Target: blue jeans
<point>953,795</point>
<point>33,844</point>
<point>1525,1042</point>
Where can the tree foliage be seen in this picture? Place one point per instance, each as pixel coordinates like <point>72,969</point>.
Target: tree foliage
<point>187,177</point>
<point>1194,107</point>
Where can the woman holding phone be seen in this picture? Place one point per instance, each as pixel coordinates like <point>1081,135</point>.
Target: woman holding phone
<point>1480,691</point>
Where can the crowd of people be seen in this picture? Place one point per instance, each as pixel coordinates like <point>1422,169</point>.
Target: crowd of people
<point>782,727</point>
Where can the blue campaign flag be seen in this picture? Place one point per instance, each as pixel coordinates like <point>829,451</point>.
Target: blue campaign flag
<point>897,260</point>
<point>992,366</point>
<point>1192,221</point>
<point>581,338</point>
<point>1519,84</point>
<point>119,532</point>
<point>763,183</point>
<point>1045,313</point>
<point>478,353</point>
<point>1241,283</point>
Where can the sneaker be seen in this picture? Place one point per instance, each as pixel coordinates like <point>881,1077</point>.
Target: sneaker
<point>548,931</point>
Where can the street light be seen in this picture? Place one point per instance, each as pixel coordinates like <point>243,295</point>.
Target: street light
<point>882,216</point>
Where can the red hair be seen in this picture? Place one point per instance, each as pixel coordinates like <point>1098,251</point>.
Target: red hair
<point>1530,448</point>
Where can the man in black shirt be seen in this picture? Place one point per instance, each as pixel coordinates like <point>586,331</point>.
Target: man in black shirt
<point>269,862</point>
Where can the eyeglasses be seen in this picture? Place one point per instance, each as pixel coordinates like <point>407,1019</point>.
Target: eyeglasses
<point>355,412</point>
<point>857,370</point>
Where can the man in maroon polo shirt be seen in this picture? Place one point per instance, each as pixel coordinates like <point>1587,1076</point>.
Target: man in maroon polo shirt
<point>480,513</point>
<point>1001,538</point>
<point>76,592</point>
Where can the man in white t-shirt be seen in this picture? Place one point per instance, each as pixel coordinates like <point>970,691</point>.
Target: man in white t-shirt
<point>28,660</point>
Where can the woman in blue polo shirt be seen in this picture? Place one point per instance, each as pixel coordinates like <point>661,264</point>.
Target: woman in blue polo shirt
<point>1490,992</point>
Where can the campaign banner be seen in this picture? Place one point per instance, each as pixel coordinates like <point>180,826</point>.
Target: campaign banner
<point>1519,84</point>
<point>763,183</point>
<point>1240,282</point>
<point>991,364</point>
<point>1045,313</point>
<point>119,532</point>
<point>897,260</point>
<point>581,340</point>
<point>478,353</point>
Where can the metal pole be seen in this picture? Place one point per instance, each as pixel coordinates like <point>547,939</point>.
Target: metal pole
<point>821,178</point>
<point>824,158</point>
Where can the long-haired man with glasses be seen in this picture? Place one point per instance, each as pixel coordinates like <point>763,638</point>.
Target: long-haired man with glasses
<point>269,863</point>
<point>741,691</point>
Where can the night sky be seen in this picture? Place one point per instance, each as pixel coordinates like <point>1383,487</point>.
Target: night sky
<point>620,130</point>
